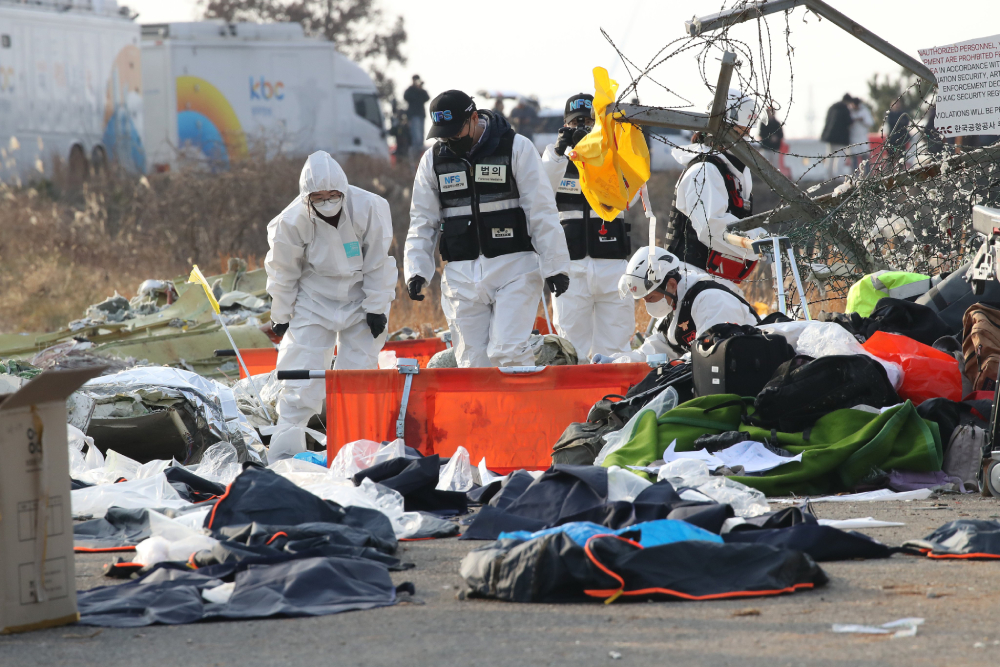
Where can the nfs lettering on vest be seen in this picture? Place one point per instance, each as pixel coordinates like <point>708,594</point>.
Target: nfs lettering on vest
<point>491,173</point>
<point>570,186</point>
<point>453,181</point>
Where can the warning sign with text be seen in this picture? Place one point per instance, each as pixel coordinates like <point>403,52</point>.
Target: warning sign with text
<point>968,77</point>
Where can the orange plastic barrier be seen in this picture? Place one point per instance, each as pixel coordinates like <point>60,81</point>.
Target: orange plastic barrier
<point>259,360</point>
<point>511,419</point>
<point>265,359</point>
<point>927,372</point>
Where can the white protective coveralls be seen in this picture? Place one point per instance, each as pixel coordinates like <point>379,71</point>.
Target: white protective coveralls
<point>702,197</point>
<point>490,303</point>
<point>590,314</point>
<point>323,280</point>
<point>709,308</point>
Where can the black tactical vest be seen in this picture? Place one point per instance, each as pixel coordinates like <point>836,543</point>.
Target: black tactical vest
<point>481,212</point>
<point>686,328</point>
<point>586,233</point>
<point>682,239</point>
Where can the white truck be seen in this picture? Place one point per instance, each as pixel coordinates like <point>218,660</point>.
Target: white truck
<point>70,88</point>
<point>216,92</point>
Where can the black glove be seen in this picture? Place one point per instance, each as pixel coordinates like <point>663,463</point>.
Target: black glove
<point>565,140</point>
<point>557,284</point>
<point>376,323</point>
<point>279,329</point>
<point>414,286</point>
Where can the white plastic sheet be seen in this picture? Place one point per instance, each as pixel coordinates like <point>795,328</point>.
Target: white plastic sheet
<point>661,404</point>
<point>140,493</point>
<point>456,475</point>
<point>867,496</point>
<point>745,501</point>
<point>170,540</point>
<point>624,485</point>
<point>904,627</point>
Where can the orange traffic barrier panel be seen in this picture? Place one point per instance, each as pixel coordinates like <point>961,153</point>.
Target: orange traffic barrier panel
<point>265,359</point>
<point>259,360</point>
<point>512,419</point>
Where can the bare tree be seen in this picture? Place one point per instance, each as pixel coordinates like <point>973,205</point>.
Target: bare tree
<point>358,28</point>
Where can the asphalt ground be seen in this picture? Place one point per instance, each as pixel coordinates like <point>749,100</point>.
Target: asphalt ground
<point>957,599</point>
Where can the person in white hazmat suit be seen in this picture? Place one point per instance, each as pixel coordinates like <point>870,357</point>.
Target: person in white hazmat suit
<point>331,281</point>
<point>714,192</point>
<point>589,313</point>
<point>683,299</point>
<point>480,193</point>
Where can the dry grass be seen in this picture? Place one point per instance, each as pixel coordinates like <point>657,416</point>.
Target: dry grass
<point>63,248</point>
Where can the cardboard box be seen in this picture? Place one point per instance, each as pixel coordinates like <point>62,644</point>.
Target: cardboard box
<point>37,577</point>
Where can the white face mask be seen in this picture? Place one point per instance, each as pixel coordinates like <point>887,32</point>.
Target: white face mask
<point>660,308</point>
<point>329,207</point>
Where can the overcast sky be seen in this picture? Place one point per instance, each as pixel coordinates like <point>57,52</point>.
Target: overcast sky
<point>550,48</point>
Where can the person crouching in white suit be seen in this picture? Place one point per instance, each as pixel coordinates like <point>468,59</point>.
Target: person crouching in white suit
<point>331,281</point>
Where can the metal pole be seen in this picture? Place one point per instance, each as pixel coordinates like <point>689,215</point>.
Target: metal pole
<point>545,309</point>
<point>246,370</point>
<point>798,285</point>
<point>779,276</point>
<point>757,10</point>
<point>721,100</point>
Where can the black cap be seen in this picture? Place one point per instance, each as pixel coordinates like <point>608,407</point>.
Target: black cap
<point>449,111</point>
<point>580,104</point>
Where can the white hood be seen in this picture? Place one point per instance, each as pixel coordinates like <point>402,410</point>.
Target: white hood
<point>322,172</point>
<point>684,154</point>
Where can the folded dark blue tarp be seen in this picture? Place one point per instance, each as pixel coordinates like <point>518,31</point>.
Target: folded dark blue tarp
<point>972,539</point>
<point>119,530</point>
<point>416,480</point>
<point>261,496</point>
<point>303,587</point>
<point>822,543</point>
<point>554,568</point>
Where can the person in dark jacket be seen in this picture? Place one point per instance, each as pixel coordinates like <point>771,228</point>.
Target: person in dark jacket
<point>416,97</point>
<point>837,132</point>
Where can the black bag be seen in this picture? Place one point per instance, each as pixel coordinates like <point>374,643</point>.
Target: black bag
<point>736,359</point>
<point>805,389</point>
<point>580,443</point>
<point>913,320</point>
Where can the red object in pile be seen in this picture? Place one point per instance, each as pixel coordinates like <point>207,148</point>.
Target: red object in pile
<point>927,373</point>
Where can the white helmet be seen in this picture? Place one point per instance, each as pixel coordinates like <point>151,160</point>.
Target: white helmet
<point>638,280</point>
<point>741,109</point>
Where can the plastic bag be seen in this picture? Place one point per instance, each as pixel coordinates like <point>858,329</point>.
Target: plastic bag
<point>662,403</point>
<point>625,485</point>
<point>485,476</point>
<point>745,501</point>
<point>456,475</point>
<point>220,463</point>
<point>117,466</point>
<point>362,454</point>
<point>387,359</point>
<point>927,372</point>
<point>288,440</point>
<point>684,472</point>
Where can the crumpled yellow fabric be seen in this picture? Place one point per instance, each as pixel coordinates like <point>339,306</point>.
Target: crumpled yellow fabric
<point>613,160</point>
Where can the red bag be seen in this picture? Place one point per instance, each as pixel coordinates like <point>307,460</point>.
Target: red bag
<point>927,373</point>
